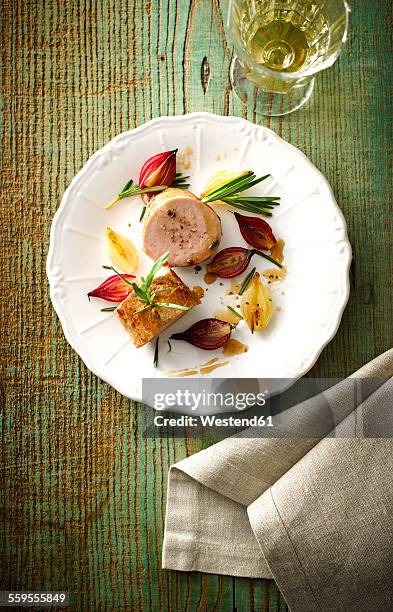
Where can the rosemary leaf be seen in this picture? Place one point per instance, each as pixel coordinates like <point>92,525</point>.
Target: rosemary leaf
<point>168,305</point>
<point>258,180</point>
<point>142,213</point>
<point>110,309</point>
<point>234,312</point>
<point>247,281</point>
<point>253,209</point>
<point>127,186</point>
<point>257,199</point>
<point>232,193</point>
<point>238,185</point>
<point>132,191</point>
<point>146,283</point>
<point>155,360</point>
<point>150,189</point>
<point>225,190</point>
<point>261,210</point>
<point>273,261</point>
<point>213,244</point>
<point>141,293</point>
<point>181,182</point>
<point>142,309</point>
<point>118,274</point>
<point>226,187</point>
<point>265,207</point>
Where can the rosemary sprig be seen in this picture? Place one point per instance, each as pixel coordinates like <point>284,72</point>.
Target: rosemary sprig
<point>273,261</point>
<point>239,183</point>
<point>146,282</point>
<point>130,189</point>
<point>231,193</point>
<point>155,360</point>
<point>180,181</point>
<point>246,281</point>
<point>144,290</point>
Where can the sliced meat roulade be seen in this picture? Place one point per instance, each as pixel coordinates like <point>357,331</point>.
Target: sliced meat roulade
<point>177,221</point>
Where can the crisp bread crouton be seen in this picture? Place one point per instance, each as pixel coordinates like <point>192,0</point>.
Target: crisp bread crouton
<point>145,325</point>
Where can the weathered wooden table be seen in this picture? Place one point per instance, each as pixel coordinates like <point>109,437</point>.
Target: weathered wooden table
<point>83,489</point>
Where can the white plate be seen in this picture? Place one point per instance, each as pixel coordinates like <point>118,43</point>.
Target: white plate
<point>317,253</point>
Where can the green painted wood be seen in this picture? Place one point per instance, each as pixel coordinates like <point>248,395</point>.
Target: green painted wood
<point>82,487</point>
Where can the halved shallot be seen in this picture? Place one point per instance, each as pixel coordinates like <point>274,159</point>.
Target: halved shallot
<point>257,305</point>
<point>208,334</point>
<point>158,170</point>
<point>114,289</point>
<point>232,261</point>
<point>121,251</point>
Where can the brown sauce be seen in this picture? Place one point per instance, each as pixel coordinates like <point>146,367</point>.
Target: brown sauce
<point>208,369</point>
<point>184,157</point>
<point>205,368</point>
<point>183,373</point>
<point>277,252</point>
<point>214,360</point>
<point>199,291</point>
<point>209,278</point>
<point>234,347</point>
<point>226,315</point>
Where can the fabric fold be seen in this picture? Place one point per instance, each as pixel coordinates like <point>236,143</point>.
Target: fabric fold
<point>326,528</point>
<point>303,510</point>
<point>199,538</point>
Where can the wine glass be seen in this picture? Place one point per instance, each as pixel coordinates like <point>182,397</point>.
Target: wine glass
<point>281,45</point>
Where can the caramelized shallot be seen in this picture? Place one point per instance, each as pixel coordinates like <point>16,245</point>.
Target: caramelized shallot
<point>113,289</point>
<point>159,170</point>
<point>208,334</point>
<point>232,261</point>
<point>257,305</point>
<point>256,232</point>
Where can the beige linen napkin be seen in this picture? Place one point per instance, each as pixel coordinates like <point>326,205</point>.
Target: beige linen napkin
<point>315,514</point>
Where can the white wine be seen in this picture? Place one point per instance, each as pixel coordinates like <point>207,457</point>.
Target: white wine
<point>286,36</point>
<point>280,46</point>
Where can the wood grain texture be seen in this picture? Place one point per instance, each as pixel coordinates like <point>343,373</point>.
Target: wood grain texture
<point>82,487</point>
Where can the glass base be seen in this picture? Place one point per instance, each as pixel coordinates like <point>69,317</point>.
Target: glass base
<point>269,104</point>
